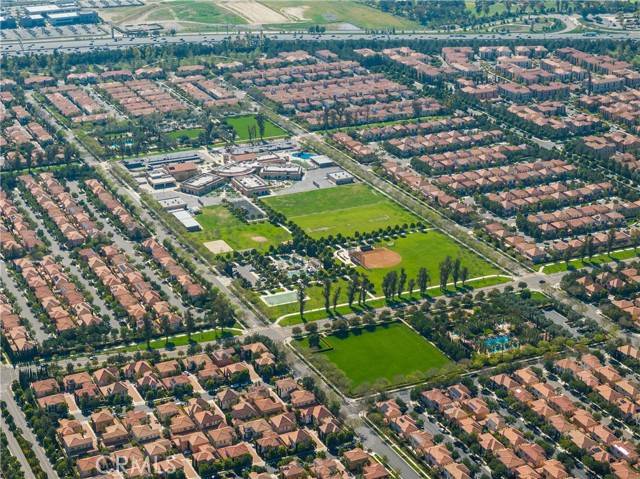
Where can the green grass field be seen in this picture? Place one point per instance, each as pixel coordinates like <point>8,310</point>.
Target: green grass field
<point>340,210</point>
<point>219,223</point>
<point>428,250</point>
<point>332,12</point>
<point>242,123</point>
<point>190,133</point>
<point>393,352</point>
<point>194,11</point>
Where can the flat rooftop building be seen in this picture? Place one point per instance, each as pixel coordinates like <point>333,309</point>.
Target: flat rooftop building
<point>188,221</point>
<point>282,172</point>
<point>250,185</point>
<point>201,184</point>
<point>340,177</point>
<point>322,161</point>
<point>173,203</point>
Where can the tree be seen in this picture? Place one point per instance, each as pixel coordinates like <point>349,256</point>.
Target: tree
<point>314,340</point>
<point>455,272</point>
<point>326,294</point>
<point>611,237</point>
<point>300,294</point>
<point>260,121</point>
<point>336,297</point>
<point>423,280</point>
<point>588,246</point>
<point>365,286</point>
<point>402,280</point>
<point>166,329</point>
<point>147,329</point>
<point>68,153</point>
<point>445,271</point>
<point>352,288</point>
<point>411,285</point>
<point>189,324</point>
<point>464,275</point>
<point>635,239</point>
<point>389,285</point>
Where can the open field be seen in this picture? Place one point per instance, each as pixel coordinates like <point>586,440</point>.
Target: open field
<point>427,250</point>
<point>194,11</point>
<point>392,352</point>
<point>331,13</point>
<point>341,210</point>
<point>192,15</point>
<point>242,123</point>
<point>219,223</point>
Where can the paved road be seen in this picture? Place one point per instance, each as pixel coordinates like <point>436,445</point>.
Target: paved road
<point>14,449</point>
<point>39,332</point>
<point>7,376</point>
<point>85,45</point>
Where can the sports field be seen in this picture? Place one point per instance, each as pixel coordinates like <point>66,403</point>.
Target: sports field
<point>393,353</point>
<point>340,210</point>
<point>332,13</point>
<point>218,223</point>
<point>428,250</point>
<point>242,123</point>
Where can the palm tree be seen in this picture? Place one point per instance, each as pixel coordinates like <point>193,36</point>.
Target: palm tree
<point>166,329</point>
<point>326,293</point>
<point>300,294</point>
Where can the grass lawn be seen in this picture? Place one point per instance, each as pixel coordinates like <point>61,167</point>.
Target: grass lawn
<point>597,259</point>
<point>393,352</point>
<point>330,12</point>
<point>242,123</point>
<point>315,300</point>
<point>340,210</point>
<point>194,11</point>
<point>219,223</point>
<point>190,133</point>
<point>428,250</point>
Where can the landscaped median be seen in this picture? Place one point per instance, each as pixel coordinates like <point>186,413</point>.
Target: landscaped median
<point>595,260</point>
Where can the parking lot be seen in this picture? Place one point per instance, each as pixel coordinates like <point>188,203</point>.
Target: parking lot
<point>49,32</point>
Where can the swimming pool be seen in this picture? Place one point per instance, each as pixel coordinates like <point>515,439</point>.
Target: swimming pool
<point>304,155</point>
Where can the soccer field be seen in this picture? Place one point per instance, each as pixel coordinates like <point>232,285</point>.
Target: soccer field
<point>340,210</point>
<point>218,223</point>
<point>427,250</point>
<point>242,123</point>
<point>393,353</point>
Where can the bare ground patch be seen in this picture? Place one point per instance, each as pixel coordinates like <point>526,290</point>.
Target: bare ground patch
<point>254,12</point>
<point>218,246</point>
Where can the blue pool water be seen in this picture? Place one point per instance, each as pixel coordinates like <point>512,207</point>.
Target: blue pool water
<point>304,155</point>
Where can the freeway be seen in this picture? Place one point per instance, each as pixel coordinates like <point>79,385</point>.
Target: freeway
<point>120,42</point>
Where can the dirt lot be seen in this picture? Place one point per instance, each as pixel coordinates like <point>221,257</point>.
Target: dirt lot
<point>254,12</point>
